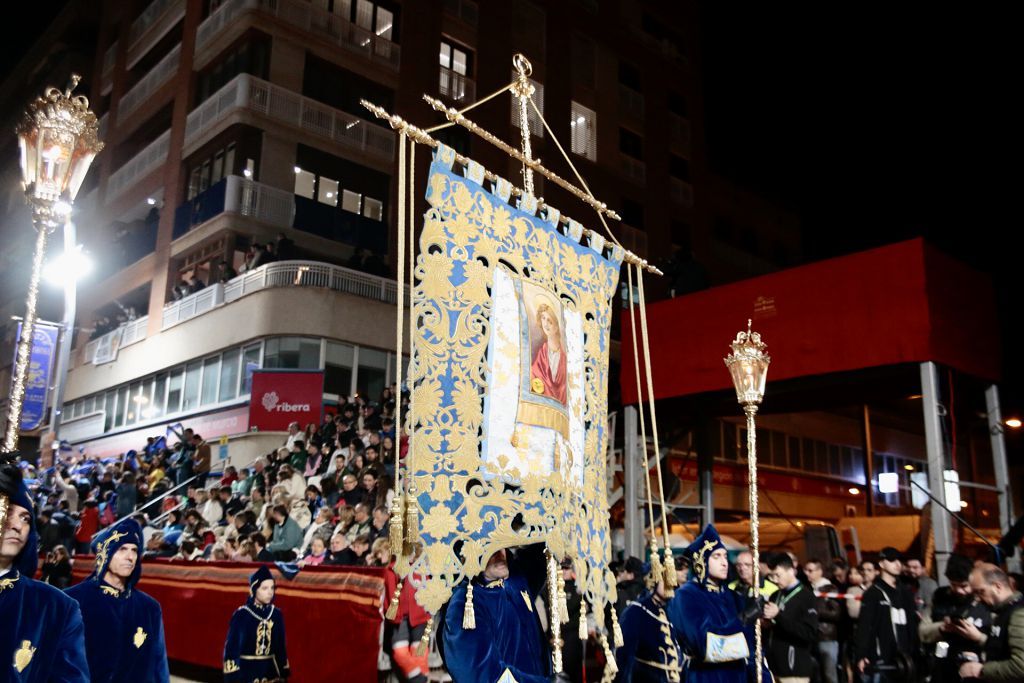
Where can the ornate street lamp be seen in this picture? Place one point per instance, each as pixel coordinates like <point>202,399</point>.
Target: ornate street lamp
<point>58,140</point>
<point>748,365</point>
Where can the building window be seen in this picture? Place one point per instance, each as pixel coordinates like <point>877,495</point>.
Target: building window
<point>327,191</point>
<point>292,352</point>
<point>190,397</point>
<point>454,58</point>
<point>629,76</point>
<point>583,61</point>
<point>373,209</point>
<point>351,201</point>
<point>532,118</point>
<point>583,128</point>
<point>304,183</point>
<point>631,144</point>
<point>456,70</point>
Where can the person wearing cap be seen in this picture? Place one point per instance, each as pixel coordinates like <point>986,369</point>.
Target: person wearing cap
<point>504,634</point>
<point>887,627</point>
<point>124,628</point>
<point>255,651</point>
<point>41,634</point>
<point>650,651</point>
<point>630,583</point>
<point>716,637</point>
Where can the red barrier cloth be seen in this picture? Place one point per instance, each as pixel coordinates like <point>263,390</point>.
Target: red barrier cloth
<point>901,303</point>
<point>332,614</point>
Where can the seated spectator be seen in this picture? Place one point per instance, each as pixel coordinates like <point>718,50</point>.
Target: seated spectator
<point>232,505</point>
<point>298,456</point>
<point>246,552</point>
<point>188,551</point>
<point>259,546</point>
<point>287,535</point>
<point>380,553</point>
<point>379,523</point>
<point>300,513</point>
<point>361,523</point>
<point>218,553</point>
<point>361,547</point>
<point>294,484</point>
<point>314,501</point>
<point>242,486</point>
<point>339,552</point>
<point>317,553</point>
<point>351,494</point>
<point>230,476</point>
<point>346,516</point>
<point>320,528</point>
<point>154,546</point>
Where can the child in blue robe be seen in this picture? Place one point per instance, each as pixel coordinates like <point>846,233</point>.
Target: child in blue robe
<point>124,627</point>
<point>255,648</point>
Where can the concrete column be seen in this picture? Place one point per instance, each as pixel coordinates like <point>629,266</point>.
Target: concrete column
<point>277,162</point>
<point>631,469</point>
<point>287,64</point>
<point>1002,470</point>
<point>942,523</point>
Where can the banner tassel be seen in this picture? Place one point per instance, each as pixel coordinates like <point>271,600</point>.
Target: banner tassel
<point>421,649</point>
<point>393,607</point>
<point>469,615</point>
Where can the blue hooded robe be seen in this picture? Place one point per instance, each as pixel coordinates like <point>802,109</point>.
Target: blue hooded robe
<point>41,633</point>
<point>650,651</point>
<point>717,644</point>
<point>124,629</point>
<point>255,648</point>
<point>507,634</point>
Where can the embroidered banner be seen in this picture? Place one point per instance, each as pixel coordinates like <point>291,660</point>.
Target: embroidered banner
<point>40,366</point>
<point>510,387</point>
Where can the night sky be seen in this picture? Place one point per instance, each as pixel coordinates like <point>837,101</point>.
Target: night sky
<point>873,123</point>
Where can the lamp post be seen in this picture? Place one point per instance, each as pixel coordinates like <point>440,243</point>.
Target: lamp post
<point>748,365</point>
<point>58,140</point>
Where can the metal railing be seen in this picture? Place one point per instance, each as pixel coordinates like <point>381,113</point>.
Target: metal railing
<point>680,191</point>
<point>148,503</point>
<point>130,333</point>
<point>280,274</point>
<point>456,87</point>
<point>146,161</point>
<point>159,17</point>
<point>304,15</point>
<point>157,76</point>
<point>262,202</point>
<point>254,94</point>
<point>634,169</point>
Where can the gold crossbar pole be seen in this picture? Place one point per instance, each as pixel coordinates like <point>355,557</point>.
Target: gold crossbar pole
<point>419,135</point>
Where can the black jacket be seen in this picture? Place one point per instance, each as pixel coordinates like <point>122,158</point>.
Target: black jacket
<point>878,638</point>
<point>794,633</point>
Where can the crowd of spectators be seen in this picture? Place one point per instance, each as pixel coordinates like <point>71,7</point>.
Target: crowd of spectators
<point>322,498</point>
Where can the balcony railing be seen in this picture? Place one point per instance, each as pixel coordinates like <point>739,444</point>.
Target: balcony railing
<point>456,86</point>
<point>245,92</point>
<point>280,274</point>
<point>304,15</point>
<point>239,195</point>
<point>146,161</point>
<point>158,75</point>
<point>634,169</point>
<point>159,17</point>
<point>105,347</point>
<point>680,191</point>
<point>631,102</point>
<point>107,77</point>
<point>679,132</point>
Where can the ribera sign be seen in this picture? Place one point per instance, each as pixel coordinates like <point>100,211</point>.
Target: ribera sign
<point>283,396</point>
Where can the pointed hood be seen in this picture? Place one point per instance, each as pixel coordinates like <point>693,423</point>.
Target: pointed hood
<point>700,550</point>
<point>13,486</point>
<point>259,576</point>
<point>107,543</point>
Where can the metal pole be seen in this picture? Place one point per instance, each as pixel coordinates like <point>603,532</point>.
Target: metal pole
<point>67,336</point>
<point>941,526</point>
<point>1002,470</point>
<point>869,462</point>
<point>634,543</point>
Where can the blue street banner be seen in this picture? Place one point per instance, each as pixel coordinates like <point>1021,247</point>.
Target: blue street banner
<point>40,367</point>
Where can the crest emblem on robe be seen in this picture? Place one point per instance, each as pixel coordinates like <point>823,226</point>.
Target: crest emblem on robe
<point>23,656</point>
<point>140,638</point>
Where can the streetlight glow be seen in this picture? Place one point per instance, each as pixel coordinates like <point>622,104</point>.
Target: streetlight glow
<point>69,267</point>
<point>1013,423</point>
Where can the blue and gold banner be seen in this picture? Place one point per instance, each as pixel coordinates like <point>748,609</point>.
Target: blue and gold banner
<point>37,381</point>
<point>510,384</point>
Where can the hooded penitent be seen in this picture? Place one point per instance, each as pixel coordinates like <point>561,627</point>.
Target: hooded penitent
<point>699,552</point>
<point>255,646</point>
<point>124,631</point>
<point>41,634</point>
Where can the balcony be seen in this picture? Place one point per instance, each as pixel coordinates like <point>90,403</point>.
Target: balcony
<point>634,169</point>
<point>246,93</point>
<point>679,133</point>
<point>457,87</point>
<point>159,17</point>
<point>150,83</point>
<point>631,103</point>
<point>139,166</point>
<point>305,17</point>
<point>107,76</point>
<point>104,349</point>
<point>238,195</point>
<point>280,274</point>
<point>680,191</point>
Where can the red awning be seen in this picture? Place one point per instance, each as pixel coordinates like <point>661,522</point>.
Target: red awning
<point>905,302</point>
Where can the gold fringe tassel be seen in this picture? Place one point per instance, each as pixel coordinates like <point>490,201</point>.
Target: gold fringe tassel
<point>469,615</point>
<point>655,574</point>
<point>583,621</point>
<point>396,533</point>
<point>393,607</point>
<point>421,649</point>
<point>671,577</point>
<point>563,602</point>
<point>617,631</point>
<point>610,664</point>
<point>412,519</point>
